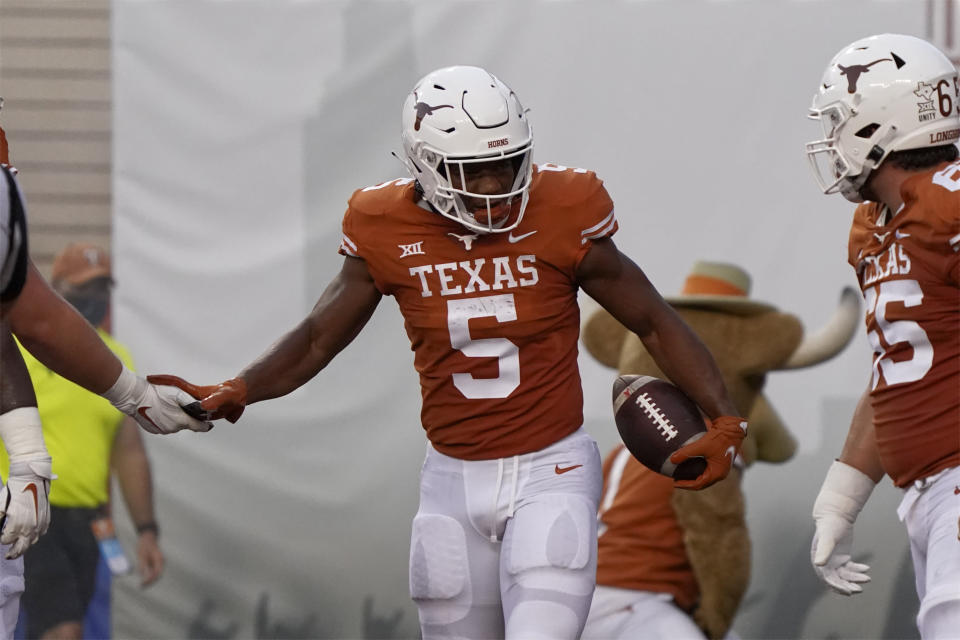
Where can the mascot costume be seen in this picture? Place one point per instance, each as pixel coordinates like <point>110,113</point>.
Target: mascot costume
<point>670,558</point>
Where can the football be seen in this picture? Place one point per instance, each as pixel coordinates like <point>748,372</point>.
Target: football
<point>654,419</point>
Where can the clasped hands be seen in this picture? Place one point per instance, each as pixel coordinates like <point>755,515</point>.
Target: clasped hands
<point>224,400</point>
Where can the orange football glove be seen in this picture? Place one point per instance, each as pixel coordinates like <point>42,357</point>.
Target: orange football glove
<point>224,400</point>
<point>719,446</point>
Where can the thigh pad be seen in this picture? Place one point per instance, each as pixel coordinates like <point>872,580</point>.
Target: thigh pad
<point>438,557</point>
<point>553,531</point>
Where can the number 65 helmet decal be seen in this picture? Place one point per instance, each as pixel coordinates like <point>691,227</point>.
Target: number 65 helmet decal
<point>878,95</point>
<point>455,119</point>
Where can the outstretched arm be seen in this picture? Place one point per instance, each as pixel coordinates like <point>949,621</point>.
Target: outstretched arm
<point>338,316</point>
<point>59,337</point>
<point>341,312</point>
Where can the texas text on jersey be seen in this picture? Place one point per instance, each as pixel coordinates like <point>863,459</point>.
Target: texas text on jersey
<point>909,271</point>
<point>489,316</point>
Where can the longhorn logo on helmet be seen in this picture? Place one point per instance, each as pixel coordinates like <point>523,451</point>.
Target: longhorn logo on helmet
<point>854,71</point>
<point>423,110</point>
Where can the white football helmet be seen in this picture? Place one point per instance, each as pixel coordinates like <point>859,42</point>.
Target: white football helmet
<point>881,94</point>
<point>454,119</point>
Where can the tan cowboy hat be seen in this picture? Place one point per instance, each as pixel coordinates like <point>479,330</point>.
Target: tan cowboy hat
<point>720,286</point>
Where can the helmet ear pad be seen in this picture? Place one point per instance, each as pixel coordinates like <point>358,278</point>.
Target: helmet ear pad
<point>429,170</point>
<point>419,165</point>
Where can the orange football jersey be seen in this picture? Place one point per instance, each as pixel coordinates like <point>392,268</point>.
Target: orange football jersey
<point>493,319</point>
<point>641,543</point>
<point>909,272</point>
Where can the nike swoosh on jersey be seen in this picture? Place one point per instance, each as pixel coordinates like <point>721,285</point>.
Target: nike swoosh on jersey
<point>514,239</point>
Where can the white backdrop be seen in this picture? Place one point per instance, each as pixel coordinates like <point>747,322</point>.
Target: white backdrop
<point>240,130</point>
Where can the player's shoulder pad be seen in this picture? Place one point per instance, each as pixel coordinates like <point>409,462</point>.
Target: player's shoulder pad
<point>936,197</point>
<point>378,199</point>
<point>861,230</point>
<point>863,219</point>
<point>565,185</point>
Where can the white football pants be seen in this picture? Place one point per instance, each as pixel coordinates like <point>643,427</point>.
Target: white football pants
<point>11,588</point>
<point>628,614</point>
<point>507,548</point>
<point>931,511</point>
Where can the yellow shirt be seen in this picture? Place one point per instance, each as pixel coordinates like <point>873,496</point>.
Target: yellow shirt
<point>79,428</point>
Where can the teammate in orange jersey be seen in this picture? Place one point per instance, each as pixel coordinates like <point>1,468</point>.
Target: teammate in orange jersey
<point>484,252</point>
<point>890,110</point>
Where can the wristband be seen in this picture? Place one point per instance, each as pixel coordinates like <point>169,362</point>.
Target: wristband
<point>148,526</point>
<point>126,391</point>
<point>22,433</point>
<point>845,490</point>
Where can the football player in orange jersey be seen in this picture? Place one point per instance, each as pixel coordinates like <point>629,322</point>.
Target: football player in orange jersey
<point>484,252</point>
<point>890,110</point>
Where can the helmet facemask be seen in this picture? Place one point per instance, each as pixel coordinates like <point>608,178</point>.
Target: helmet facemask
<point>835,170</point>
<point>496,209</point>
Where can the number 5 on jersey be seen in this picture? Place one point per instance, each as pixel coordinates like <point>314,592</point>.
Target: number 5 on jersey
<point>459,313</point>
